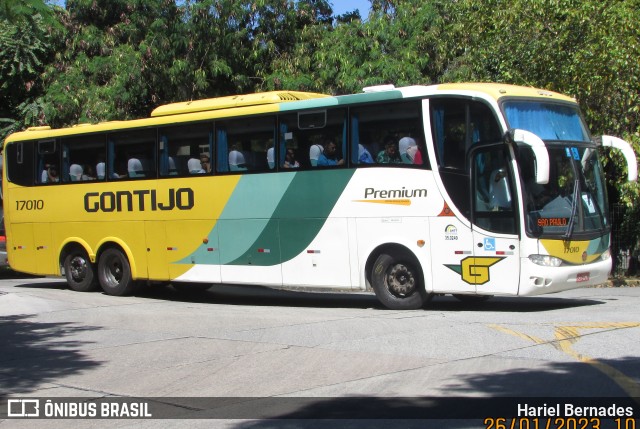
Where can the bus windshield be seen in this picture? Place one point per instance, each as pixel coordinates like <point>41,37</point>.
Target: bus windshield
<point>549,121</point>
<point>574,201</point>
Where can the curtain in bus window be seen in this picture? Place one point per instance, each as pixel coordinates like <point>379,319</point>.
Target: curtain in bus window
<point>164,157</point>
<point>476,135</point>
<point>283,144</point>
<point>111,157</point>
<point>65,173</point>
<point>438,125</point>
<point>42,178</point>
<point>344,139</point>
<point>222,150</point>
<point>547,121</point>
<point>271,149</point>
<point>355,139</point>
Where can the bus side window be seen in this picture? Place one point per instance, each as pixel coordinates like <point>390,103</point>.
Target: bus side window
<point>389,133</point>
<point>133,155</point>
<point>81,157</point>
<point>185,150</point>
<point>307,133</point>
<point>248,143</point>
<point>48,162</point>
<point>20,163</point>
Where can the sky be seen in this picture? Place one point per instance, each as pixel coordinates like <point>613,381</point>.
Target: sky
<point>343,6</point>
<point>339,6</point>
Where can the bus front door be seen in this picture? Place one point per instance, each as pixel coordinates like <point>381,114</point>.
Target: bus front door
<point>496,263</point>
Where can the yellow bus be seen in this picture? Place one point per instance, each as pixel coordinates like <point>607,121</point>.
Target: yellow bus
<point>473,190</point>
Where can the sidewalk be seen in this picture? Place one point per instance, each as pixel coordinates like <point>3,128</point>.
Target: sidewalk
<point>622,282</point>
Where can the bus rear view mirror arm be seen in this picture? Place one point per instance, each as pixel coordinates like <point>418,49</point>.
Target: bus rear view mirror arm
<point>539,151</point>
<point>627,152</point>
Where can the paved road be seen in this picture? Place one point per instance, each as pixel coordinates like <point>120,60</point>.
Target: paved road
<point>253,342</point>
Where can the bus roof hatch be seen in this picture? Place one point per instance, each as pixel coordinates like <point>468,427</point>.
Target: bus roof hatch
<point>232,101</point>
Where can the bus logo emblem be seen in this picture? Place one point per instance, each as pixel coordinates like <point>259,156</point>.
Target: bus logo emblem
<point>475,269</point>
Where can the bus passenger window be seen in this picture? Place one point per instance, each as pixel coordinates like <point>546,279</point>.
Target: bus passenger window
<point>81,157</point>
<point>246,143</point>
<point>48,161</point>
<point>392,132</point>
<point>308,134</point>
<point>185,150</point>
<point>132,154</point>
<point>19,157</point>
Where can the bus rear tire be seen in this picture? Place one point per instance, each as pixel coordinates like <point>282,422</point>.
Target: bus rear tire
<point>397,282</point>
<point>80,272</point>
<point>114,273</point>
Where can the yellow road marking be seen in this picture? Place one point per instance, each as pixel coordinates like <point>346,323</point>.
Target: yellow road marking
<point>567,335</point>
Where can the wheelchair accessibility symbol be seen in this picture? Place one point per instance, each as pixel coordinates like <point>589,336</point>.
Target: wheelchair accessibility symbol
<point>489,244</point>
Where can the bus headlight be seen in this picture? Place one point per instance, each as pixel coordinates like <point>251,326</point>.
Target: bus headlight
<point>606,255</point>
<point>545,260</point>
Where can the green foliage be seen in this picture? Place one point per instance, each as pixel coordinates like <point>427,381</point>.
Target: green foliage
<point>25,48</point>
<point>351,55</point>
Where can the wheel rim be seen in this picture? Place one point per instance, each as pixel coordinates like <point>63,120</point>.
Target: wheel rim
<point>401,281</point>
<point>78,268</point>
<point>113,271</point>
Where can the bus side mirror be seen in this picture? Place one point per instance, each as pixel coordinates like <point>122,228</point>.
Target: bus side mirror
<point>627,152</point>
<point>537,147</point>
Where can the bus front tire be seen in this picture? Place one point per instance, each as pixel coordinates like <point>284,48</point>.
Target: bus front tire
<point>114,273</point>
<point>397,283</point>
<point>80,272</point>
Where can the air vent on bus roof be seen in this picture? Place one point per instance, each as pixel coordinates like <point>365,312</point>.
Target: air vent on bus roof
<point>378,88</point>
<point>272,97</point>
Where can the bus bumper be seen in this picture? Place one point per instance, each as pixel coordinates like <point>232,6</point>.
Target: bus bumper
<point>538,280</point>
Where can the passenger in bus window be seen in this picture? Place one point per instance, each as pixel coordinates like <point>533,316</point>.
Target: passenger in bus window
<point>408,149</point>
<point>50,174</point>
<point>314,154</point>
<point>390,153</point>
<point>329,157</point>
<point>205,162</point>
<point>290,160</point>
<point>88,173</point>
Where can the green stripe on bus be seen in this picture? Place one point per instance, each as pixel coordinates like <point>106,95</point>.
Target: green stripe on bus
<point>298,218</point>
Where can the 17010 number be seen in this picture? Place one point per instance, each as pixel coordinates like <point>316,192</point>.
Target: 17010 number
<point>29,204</point>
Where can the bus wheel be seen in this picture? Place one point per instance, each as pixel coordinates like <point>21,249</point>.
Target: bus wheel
<point>114,273</point>
<point>79,271</point>
<point>397,283</point>
<point>472,298</point>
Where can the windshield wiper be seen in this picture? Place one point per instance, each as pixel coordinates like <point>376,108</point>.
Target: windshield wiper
<point>574,208</point>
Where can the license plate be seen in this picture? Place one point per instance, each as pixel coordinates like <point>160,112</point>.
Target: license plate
<point>582,277</point>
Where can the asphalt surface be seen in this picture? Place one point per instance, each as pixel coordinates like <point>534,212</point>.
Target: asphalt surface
<point>252,347</point>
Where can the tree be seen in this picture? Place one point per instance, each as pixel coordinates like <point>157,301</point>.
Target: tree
<point>586,48</point>
<point>386,48</point>
<point>112,63</point>
<point>25,48</point>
